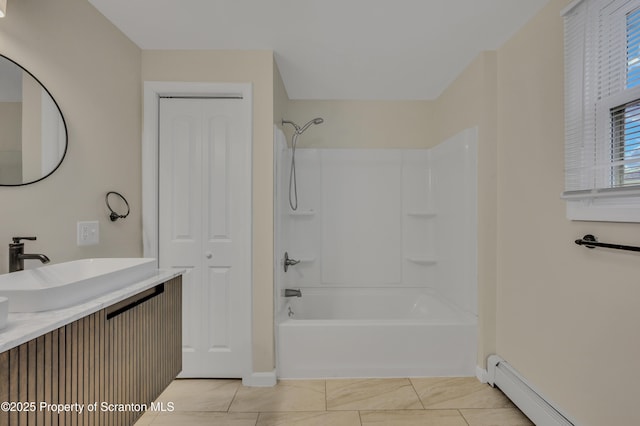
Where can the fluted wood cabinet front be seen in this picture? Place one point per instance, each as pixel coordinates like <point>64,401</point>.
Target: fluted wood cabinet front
<point>107,367</point>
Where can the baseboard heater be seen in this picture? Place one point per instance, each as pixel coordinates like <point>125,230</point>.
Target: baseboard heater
<point>534,406</point>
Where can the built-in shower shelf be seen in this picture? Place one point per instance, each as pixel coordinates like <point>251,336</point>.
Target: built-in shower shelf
<point>422,260</point>
<point>302,213</point>
<point>420,213</point>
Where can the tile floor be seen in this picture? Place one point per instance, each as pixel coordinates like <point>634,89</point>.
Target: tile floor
<point>337,402</point>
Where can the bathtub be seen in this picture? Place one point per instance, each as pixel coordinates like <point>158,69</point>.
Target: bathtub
<point>374,332</point>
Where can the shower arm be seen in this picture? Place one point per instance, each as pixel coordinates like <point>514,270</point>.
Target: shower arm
<point>293,124</point>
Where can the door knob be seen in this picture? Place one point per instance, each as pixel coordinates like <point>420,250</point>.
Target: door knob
<point>209,255</point>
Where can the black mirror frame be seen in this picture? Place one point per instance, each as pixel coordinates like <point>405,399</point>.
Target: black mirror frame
<point>64,123</point>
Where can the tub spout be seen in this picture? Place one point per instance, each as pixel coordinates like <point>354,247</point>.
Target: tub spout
<point>290,292</point>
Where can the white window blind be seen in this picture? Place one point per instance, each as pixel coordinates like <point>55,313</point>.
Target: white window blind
<point>602,100</point>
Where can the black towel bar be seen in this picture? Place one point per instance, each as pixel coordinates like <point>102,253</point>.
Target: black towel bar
<point>590,241</point>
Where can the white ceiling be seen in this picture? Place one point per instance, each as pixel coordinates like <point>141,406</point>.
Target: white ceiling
<point>334,49</point>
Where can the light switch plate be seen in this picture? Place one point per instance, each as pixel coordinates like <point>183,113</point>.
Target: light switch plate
<point>88,233</point>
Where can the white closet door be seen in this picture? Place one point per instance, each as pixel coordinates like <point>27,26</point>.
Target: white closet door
<point>204,226</point>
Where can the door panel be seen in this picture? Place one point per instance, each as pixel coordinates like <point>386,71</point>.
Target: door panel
<point>218,337</point>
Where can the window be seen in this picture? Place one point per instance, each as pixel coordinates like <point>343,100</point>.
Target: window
<point>625,119</point>
<point>602,110</point>
<point>625,150</point>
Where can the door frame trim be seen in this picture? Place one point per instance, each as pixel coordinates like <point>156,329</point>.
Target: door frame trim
<point>153,91</point>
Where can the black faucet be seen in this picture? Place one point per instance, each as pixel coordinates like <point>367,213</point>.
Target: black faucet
<point>17,254</point>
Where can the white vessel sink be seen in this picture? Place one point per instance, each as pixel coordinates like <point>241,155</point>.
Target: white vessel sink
<point>66,284</point>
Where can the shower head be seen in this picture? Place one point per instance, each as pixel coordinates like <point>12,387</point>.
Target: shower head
<point>314,121</point>
<point>300,130</point>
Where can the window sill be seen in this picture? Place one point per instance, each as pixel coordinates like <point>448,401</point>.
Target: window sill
<point>625,209</point>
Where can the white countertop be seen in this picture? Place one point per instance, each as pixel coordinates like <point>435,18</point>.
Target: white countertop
<point>24,326</point>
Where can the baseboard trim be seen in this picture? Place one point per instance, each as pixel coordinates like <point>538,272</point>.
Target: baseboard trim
<point>261,380</point>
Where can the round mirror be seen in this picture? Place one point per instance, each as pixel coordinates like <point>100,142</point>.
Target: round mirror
<point>33,133</point>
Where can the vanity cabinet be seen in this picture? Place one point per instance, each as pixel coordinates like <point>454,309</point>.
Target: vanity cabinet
<point>108,366</point>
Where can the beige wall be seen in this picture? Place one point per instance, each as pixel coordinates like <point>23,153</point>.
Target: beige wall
<point>364,124</point>
<point>254,67</point>
<point>93,71</point>
<point>31,129</point>
<point>11,125</point>
<point>470,101</point>
<point>280,97</point>
<point>567,317</point>
<point>10,143</point>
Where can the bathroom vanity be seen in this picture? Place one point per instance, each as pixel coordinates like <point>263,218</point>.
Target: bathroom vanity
<point>101,361</point>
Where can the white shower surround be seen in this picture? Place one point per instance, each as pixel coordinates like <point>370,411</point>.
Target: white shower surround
<point>377,228</point>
